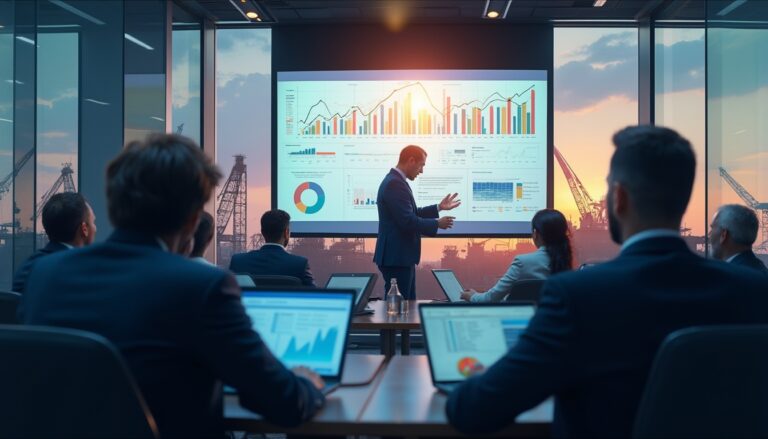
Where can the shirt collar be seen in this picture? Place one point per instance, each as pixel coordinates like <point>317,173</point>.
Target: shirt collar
<point>402,174</point>
<point>648,234</point>
<point>162,244</point>
<point>734,257</point>
<point>273,243</point>
<point>69,246</point>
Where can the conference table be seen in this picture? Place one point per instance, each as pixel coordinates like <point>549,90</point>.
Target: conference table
<point>389,325</point>
<point>399,401</point>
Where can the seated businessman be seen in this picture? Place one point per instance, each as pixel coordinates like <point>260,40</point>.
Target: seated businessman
<point>401,222</point>
<point>179,324</point>
<point>272,258</point>
<point>596,331</point>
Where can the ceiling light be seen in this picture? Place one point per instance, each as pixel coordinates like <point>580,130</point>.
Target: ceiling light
<point>493,7</point>
<point>78,12</point>
<point>727,10</point>
<point>97,102</point>
<point>599,3</point>
<point>138,42</point>
<point>26,40</point>
<point>492,14</point>
<point>251,14</point>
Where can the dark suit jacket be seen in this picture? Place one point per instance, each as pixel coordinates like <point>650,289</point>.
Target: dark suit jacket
<point>180,326</point>
<point>22,274</point>
<point>273,260</point>
<point>401,223</point>
<point>595,335</point>
<point>749,259</point>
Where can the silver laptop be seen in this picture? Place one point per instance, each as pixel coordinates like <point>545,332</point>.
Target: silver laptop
<point>465,339</point>
<point>304,327</point>
<point>362,283</point>
<point>449,283</point>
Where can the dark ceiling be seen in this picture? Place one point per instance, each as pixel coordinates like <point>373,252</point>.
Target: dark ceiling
<point>442,11</point>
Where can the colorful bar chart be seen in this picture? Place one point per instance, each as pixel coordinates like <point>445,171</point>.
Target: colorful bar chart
<point>519,192</point>
<point>312,151</point>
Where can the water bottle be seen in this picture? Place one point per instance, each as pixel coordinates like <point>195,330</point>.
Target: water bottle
<point>394,299</point>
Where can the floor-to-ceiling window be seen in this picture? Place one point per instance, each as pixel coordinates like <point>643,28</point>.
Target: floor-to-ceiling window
<point>186,104</point>
<point>6,143</point>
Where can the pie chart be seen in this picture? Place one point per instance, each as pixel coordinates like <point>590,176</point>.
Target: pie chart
<point>309,186</point>
<point>469,366</point>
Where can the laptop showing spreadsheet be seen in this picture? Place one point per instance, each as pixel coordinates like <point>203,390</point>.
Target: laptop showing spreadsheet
<point>362,283</point>
<point>464,339</point>
<point>304,327</point>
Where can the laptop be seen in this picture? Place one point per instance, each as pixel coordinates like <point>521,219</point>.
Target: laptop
<point>449,283</point>
<point>304,327</point>
<point>464,339</point>
<point>244,280</point>
<point>362,283</point>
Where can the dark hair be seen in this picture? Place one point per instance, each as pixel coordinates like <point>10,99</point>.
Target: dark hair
<point>411,151</point>
<point>273,224</point>
<point>553,229</point>
<point>657,166</point>
<point>156,185</point>
<point>63,214</point>
<point>203,234</point>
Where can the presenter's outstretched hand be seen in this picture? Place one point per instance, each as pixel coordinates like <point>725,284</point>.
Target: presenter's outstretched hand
<point>309,374</point>
<point>449,202</point>
<point>445,222</point>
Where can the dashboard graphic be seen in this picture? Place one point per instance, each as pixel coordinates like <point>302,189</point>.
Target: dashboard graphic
<point>340,132</point>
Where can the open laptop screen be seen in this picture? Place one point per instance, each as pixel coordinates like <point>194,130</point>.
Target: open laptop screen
<point>449,284</point>
<point>302,328</point>
<point>352,282</point>
<point>462,338</point>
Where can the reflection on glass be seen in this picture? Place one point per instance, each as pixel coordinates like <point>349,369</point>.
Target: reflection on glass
<point>186,82</point>
<point>6,147</point>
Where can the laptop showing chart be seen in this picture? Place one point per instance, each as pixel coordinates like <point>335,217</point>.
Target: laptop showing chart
<point>449,284</point>
<point>462,339</point>
<point>362,283</point>
<point>303,327</point>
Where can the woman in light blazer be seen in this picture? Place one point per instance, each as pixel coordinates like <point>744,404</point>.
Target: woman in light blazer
<point>553,255</point>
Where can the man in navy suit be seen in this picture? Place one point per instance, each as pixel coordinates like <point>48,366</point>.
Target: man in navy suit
<point>69,222</point>
<point>272,257</point>
<point>179,324</point>
<point>732,233</point>
<point>401,222</point>
<point>596,331</point>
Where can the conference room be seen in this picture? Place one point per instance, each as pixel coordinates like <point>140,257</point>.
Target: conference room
<point>383,218</point>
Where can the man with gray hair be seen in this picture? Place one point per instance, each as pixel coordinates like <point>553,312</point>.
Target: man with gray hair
<point>733,231</point>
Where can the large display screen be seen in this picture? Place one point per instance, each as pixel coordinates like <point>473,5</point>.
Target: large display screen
<point>338,134</point>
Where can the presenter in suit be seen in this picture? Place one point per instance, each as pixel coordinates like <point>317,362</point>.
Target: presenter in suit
<point>596,331</point>
<point>401,222</point>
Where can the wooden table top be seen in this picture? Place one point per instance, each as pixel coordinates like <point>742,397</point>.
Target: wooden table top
<point>380,320</point>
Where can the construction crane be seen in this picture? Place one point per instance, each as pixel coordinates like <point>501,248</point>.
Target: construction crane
<point>65,180</point>
<point>5,183</point>
<point>592,212</point>
<point>752,203</point>
<point>232,206</point>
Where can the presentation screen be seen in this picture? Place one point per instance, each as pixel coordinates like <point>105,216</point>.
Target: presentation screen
<point>338,134</point>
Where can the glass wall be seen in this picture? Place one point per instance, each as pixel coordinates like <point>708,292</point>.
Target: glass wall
<point>595,90</point>
<point>186,72</point>
<point>680,104</point>
<point>737,109</point>
<point>6,143</point>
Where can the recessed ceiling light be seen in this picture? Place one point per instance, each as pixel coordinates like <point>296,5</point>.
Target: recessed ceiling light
<point>493,14</point>
<point>599,3</point>
<point>496,8</point>
<point>251,14</point>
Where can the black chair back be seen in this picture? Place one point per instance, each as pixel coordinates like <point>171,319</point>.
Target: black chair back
<point>64,383</point>
<point>525,291</point>
<point>274,280</point>
<point>9,302</point>
<point>708,382</point>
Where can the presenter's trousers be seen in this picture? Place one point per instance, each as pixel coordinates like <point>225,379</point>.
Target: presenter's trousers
<point>406,280</point>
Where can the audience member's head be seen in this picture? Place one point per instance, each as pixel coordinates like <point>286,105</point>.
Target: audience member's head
<point>275,227</point>
<point>650,180</point>
<point>550,229</point>
<point>733,230</point>
<point>69,219</point>
<point>159,186</point>
<point>412,161</point>
<point>203,235</point>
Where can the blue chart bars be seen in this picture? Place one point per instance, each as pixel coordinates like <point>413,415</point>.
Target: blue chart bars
<point>321,350</point>
<point>493,191</point>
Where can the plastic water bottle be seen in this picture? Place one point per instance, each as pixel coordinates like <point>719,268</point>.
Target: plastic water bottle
<point>394,299</point>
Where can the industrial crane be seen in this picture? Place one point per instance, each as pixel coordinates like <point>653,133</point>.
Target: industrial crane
<point>752,203</point>
<point>5,183</point>
<point>232,205</point>
<point>592,212</point>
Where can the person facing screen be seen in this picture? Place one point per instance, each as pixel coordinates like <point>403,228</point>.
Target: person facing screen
<point>551,236</point>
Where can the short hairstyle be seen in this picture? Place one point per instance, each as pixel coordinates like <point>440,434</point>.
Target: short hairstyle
<point>154,186</point>
<point>740,222</point>
<point>657,167</point>
<point>273,224</point>
<point>203,234</point>
<point>63,214</point>
<point>411,151</point>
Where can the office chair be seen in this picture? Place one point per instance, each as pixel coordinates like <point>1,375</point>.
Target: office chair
<point>708,382</point>
<point>9,302</point>
<point>65,383</point>
<point>525,290</point>
<point>274,280</point>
